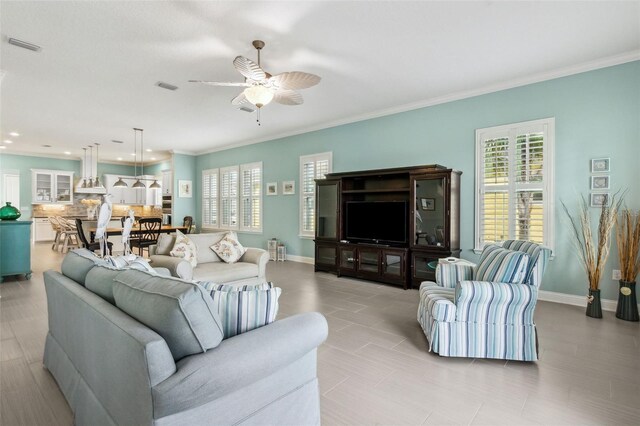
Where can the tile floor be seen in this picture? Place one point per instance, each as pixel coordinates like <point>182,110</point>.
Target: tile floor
<point>374,367</point>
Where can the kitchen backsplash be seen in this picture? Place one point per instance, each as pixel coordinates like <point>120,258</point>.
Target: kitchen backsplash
<point>79,209</point>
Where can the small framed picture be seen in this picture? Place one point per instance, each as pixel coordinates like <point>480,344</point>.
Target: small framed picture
<point>600,165</point>
<point>185,189</point>
<point>599,183</point>
<point>599,199</point>
<point>428,203</point>
<point>272,188</point>
<point>289,187</point>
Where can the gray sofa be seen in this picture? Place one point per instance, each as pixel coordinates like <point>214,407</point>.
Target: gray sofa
<point>250,269</point>
<point>112,369</point>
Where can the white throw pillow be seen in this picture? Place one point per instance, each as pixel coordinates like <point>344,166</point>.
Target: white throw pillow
<point>229,248</point>
<point>185,248</point>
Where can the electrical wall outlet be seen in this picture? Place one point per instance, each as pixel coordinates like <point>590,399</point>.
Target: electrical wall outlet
<point>616,275</point>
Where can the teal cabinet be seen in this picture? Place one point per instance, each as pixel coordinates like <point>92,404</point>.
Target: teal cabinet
<point>15,248</point>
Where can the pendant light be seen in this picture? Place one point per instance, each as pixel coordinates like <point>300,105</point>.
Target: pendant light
<point>97,183</point>
<point>155,185</point>
<point>138,183</point>
<point>90,182</point>
<point>84,171</point>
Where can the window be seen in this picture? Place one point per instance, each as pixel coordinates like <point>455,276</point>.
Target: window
<point>311,167</point>
<point>232,197</point>
<point>514,183</point>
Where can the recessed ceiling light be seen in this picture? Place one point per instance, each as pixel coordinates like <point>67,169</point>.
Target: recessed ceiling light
<point>8,141</point>
<point>67,152</point>
<point>153,158</point>
<point>3,147</point>
<point>46,146</point>
<point>25,44</point>
<point>119,158</point>
<point>133,154</point>
<point>14,134</point>
<point>148,150</point>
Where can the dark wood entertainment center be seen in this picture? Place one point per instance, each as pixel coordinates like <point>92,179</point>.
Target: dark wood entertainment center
<point>432,196</point>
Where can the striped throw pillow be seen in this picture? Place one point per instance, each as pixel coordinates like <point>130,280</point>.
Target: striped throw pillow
<point>244,308</point>
<point>502,266</point>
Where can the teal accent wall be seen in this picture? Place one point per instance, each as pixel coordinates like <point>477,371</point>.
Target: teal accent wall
<point>156,169</point>
<point>24,163</point>
<point>597,115</point>
<point>184,168</point>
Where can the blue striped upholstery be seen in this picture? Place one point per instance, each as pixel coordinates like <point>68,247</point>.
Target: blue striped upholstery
<point>245,308</point>
<point>450,274</point>
<point>502,265</point>
<point>482,319</point>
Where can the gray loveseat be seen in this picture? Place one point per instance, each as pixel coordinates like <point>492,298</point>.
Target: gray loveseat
<point>112,369</point>
<point>250,269</point>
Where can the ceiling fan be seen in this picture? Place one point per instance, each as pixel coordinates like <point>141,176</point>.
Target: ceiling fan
<point>262,87</point>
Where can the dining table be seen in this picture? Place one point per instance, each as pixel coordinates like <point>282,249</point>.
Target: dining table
<point>164,229</point>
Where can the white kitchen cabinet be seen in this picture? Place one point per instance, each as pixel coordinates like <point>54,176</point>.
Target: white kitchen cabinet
<point>51,187</point>
<point>167,182</point>
<point>42,230</point>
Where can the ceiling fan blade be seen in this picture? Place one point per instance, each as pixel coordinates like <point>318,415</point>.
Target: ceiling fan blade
<point>240,99</point>
<point>249,69</point>
<point>220,83</point>
<point>295,80</point>
<point>288,97</point>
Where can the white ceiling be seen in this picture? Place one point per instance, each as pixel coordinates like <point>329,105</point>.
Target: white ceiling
<point>94,79</point>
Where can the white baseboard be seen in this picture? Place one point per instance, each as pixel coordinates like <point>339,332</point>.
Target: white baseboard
<point>572,299</point>
<point>301,259</point>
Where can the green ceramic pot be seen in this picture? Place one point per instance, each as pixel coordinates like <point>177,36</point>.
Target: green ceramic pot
<point>9,212</point>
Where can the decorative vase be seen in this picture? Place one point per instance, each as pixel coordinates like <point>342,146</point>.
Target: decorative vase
<point>594,307</point>
<point>627,302</point>
<point>9,212</point>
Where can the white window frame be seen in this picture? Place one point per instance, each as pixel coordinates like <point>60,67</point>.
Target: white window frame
<point>219,173</point>
<point>205,173</point>
<point>252,197</point>
<point>231,198</point>
<point>547,126</point>
<point>324,156</point>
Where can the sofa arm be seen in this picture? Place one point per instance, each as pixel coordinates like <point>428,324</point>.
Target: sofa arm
<point>152,249</point>
<point>258,256</point>
<point>495,303</point>
<point>178,267</point>
<point>450,274</point>
<point>239,361</point>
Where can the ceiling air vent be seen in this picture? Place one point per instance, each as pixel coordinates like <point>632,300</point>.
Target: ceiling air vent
<point>245,109</point>
<point>116,141</point>
<point>24,44</point>
<point>166,85</point>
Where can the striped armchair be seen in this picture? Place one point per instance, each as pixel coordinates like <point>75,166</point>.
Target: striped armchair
<point>486,310</point>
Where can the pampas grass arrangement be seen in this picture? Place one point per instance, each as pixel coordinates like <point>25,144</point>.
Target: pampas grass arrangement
<point>593,254</point>
<point>628,242</point>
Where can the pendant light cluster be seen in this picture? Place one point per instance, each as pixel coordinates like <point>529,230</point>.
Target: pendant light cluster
<point>89,182</point>
<point>138,183</point>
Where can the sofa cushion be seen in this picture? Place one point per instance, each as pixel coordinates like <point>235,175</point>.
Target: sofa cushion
<point>229,248</point>
<point>185,249</point>
<point>165,244</point>
<point>244,308</point>
<point>203,242</point>
<point>180,311</point>
<point>78,263</point>
<point>225,272</point>
<point>501,265</point>
<point>100,281</point>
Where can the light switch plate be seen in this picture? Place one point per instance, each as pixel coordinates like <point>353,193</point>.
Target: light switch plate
<point>616,275</point>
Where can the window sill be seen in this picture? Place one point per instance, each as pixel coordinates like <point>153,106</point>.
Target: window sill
<point>306,237</point>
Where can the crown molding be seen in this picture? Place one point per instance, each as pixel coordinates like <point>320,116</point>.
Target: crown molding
<point>175,151</point>
<point>610,61</point>
<point>35,154</point>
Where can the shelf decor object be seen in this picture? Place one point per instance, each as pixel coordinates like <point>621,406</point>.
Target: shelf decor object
<point>593,253</point>
<point>628,242</point>
<point>9,212</point>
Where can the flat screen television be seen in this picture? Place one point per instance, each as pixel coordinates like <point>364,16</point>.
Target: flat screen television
<point>383,222</point>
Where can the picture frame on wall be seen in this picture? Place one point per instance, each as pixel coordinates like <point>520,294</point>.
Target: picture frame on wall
<point>428,204</point>
<point>185,189</point>
<point>598,199</point>
<point>288,187</point>
<point>600,165</point>
<point>272,188</point>
<point>599,183</point>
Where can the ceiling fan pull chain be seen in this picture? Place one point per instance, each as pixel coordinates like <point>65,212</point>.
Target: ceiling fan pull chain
<point>258,119</point>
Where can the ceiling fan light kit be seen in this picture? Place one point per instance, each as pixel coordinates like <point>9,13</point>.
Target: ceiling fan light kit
<point>262,87</point>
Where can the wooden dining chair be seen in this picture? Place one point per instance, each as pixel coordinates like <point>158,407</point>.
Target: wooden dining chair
<point>86,244</point>
<point>187,221</point>
<point>147,233</point>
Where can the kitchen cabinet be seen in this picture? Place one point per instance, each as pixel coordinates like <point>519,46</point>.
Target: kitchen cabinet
<point>167,182</point>
<point>51,187</point>
<point>14,234</point>
<point>42,230</point>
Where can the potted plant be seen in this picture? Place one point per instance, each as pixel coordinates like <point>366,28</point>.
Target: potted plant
<point>593,254</point>
<point>628,241</point>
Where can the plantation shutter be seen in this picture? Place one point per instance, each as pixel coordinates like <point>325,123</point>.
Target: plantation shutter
<point>251,196</point>
<point>210,198</point>
<point>312,167</point>
<point>229,197</point>
<point>514,183</point>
